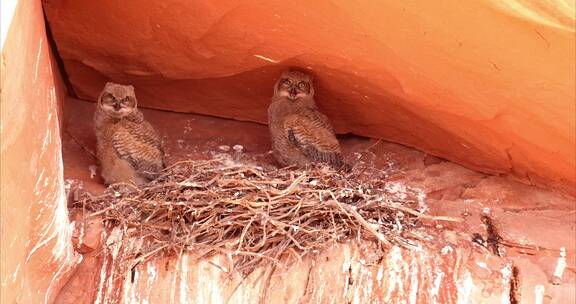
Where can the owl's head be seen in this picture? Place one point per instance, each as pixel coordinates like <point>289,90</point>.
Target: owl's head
<point>294,85</point>
<point>117,100</point>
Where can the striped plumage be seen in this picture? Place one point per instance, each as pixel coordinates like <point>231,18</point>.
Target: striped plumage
<point>128,147</point>
<point>300,133</point>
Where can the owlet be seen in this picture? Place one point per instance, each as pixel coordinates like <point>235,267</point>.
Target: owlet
<point>300,133</point>
<point>128,147</point>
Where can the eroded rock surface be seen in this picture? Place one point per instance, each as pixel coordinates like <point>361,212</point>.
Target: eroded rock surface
<point>487,84</point>
<point>533,223</point>
<point>36,254</point>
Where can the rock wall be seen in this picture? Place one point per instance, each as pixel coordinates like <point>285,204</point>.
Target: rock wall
<point>449,268</point>
<point>487,84</point>
<point>345,273</point>
<point>490,85</point>
<point>37,255</point>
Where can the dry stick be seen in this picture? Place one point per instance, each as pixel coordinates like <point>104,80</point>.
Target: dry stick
<point>193,162</point>
<point>338,204</point>
<point>363,222</point>
<point>536,248</point>
<point>293,252</point>
<point>189,183</point>
<point>262,256</point>
<point>111,207</point>
<point>221,268</point>
<point>263,225</point>
<point>290,188</point>
<point>427,217</point>
<point>244,233</point>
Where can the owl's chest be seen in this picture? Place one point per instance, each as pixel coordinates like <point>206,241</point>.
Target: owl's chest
<point>120,127</point>
<point>279,111</point>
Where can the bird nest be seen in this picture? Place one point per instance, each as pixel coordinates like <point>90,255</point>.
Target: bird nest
<point>251,214</point>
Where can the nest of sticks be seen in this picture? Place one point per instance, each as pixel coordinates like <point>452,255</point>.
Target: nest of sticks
<point>251,214</point>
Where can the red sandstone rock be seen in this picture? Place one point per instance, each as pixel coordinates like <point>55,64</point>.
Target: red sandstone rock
<point>87,232</point>
<point>341,273</point>
<point>352,271</point>
<point>487,84</point>
<point>36,253</point>
<point>478,85</point>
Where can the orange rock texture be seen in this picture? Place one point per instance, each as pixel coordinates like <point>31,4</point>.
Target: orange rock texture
<point>448,268</point>
<point>485,83</point>
<point>36,254</point>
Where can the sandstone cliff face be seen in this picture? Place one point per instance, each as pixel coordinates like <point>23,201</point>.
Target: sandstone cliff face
<point>487,84</point>
<point>37,256</point>
<point>449,268</point>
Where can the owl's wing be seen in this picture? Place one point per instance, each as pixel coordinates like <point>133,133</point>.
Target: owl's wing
<point>312,134</point>
<point>140,145</point>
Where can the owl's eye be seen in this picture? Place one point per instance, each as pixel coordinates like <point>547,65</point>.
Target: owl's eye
<point>301,84</point>
<point>287,82</point>
<point>107,98</point>
<point>124,100</point>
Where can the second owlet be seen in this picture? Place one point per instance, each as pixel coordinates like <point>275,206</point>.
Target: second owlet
<point>300,133</point>
<point>128,147</point>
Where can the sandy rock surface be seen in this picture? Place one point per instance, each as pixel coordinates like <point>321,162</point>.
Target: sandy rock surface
<point>451,269</point>
<point>488,84</point>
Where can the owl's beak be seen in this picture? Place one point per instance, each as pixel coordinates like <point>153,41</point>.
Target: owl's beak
<point>117,106</point>
<point>293,92</point>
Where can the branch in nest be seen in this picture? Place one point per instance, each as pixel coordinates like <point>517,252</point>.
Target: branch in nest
<point>250,214</point>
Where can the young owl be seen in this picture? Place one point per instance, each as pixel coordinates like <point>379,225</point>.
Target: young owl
<point>128,147</point>
<point>300,133</point>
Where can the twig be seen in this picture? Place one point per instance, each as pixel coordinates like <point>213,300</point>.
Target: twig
<point>249,214</point>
